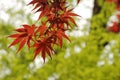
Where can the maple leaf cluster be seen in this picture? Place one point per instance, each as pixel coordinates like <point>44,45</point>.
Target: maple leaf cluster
<point>51,31</point>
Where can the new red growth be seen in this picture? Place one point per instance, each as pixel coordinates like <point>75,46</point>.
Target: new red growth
<point>51,32</point>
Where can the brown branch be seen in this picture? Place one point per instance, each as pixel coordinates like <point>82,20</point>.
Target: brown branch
<point>96,8</point>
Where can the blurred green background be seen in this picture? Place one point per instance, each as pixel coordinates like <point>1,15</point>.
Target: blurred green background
<point>93,56</point>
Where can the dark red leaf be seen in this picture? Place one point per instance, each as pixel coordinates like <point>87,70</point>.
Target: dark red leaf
<point>43,48</point>
<point>24,36</point>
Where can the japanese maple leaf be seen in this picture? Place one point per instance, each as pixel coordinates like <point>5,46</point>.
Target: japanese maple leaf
<point>41,6</point>
<point>23,36</point>
<point>58,4</point>
<point>43,47</point>
<point>68,16</point>
<point>59,35</point>
<point>62,19</point>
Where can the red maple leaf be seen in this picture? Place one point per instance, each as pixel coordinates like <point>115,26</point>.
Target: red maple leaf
<point>41,6</point>
<point>65,18</point>
<point>58,36</point>
<point>23,36</point>
<point>43,47</point>
<point>68,16</point>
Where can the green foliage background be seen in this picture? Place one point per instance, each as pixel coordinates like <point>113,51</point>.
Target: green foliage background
<point>67,64</point>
